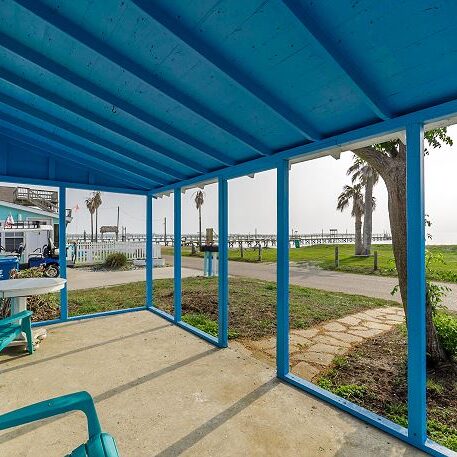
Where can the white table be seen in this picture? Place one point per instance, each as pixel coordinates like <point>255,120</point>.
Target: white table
<point>20,289</point>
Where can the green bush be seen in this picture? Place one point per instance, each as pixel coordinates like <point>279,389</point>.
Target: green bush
<point>446,326</point>
<point>116,260</point>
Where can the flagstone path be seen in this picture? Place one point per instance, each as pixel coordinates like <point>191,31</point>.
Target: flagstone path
<point>313,350</point>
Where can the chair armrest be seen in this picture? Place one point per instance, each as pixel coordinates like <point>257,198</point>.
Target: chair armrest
<point>15,317</point>
<point>79,401</point>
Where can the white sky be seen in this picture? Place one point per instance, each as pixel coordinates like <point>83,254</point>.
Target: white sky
<point>314,187</point>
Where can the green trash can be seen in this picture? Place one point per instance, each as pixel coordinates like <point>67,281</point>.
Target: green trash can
<point>297,243</point>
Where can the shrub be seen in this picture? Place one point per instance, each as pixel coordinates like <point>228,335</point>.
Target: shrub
<point>446,326</point>
<point>116,260</point>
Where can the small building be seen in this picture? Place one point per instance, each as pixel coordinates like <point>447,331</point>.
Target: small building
<point>31,210</point>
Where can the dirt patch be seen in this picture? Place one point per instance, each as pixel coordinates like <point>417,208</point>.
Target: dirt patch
<point>376,371</point>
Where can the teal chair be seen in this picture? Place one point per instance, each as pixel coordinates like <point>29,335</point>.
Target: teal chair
<point>11,328</point>
<point>99,444</point>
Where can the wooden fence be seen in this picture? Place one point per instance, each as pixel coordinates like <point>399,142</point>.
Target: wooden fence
<point>89,252</point>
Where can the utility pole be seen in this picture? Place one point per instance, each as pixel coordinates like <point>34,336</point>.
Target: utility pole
<point>165,229</point>
<point>117,225</point>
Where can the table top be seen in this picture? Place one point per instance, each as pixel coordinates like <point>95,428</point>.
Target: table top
<point>25,287</point>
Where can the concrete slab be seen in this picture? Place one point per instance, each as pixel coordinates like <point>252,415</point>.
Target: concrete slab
<point>79,278</point>
<point>161,391</point>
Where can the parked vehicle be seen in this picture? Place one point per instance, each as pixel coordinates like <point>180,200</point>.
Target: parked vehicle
<point>32,245</point>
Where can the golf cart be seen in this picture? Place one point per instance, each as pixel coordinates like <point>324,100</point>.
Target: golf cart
<point>47,257</point>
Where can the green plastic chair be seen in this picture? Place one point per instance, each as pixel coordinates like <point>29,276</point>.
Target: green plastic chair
<point>99,444</point>
<point>13,326</point>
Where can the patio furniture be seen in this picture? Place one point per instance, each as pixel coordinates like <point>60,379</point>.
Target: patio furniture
<point>99,444</point>
<point>13,326</point>
<point>21,288</point>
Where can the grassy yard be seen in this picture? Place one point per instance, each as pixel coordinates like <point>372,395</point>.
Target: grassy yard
<point>373,375</point>
<point>252,303</point>
<point>323,256</point>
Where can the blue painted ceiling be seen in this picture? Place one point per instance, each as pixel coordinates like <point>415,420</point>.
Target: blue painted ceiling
<point>139,94</point>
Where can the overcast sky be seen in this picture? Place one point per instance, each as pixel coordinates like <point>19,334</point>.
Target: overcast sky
<point>314,188</point>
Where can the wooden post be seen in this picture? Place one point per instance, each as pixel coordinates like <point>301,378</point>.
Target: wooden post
<point>260,253</point>
<point>375,261</point>
<point>241,250</point>
<point>337,257</point>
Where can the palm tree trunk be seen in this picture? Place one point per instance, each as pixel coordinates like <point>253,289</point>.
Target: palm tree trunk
<point>96,225</point>
<point>358,233</point>
<point>368,216</point>
<point>91,226</point>
<point>200,226</point>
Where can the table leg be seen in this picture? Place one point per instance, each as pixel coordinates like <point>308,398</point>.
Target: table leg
<point>19,304</point>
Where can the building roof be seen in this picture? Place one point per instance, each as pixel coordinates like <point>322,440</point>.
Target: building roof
<point>29,209</point>
<point>141,96</point>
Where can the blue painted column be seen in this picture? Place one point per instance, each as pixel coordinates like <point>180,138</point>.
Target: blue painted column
<point>149,253</point>
<point>223,263</point>
<point>417,411</point>
<point>63,250</point>
<point>282,272</point>
<point>177,256</point>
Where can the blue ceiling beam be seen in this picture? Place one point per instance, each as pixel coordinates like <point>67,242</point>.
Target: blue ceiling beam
<point>61,148</point>
<point>113,127</point>
<point>342,59</point>
<point>214,57</point>
<point>53,18</point>
<point>61,102</point>
<point>61,71</point>
<point>437,115</point>
<point>132,165</point>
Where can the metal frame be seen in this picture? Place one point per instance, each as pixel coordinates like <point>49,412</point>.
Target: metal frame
<point>221,340</point>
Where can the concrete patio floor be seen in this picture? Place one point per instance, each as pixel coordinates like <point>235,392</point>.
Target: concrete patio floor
<point>161,391</point>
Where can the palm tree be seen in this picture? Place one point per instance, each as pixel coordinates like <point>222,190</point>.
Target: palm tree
<point>354,194</point>
<point>92,204</point>
<point>199,200</point>
<point>360,171</point>
<point>91,208</point>
<point>97,201</point>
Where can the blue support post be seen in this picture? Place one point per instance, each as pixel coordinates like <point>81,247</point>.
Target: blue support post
<point>63,251</point>
<point>282,305</point>
<point>223,263</point>
<point>149,253</point>
<point>177,256</point>
<point>415,228</point>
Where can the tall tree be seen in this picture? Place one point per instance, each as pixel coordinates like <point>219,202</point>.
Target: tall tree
<point>91,208</point>
<point>360,171</point>
<point>389,160</point>
<point>199,200</point>
<point>97,201</point>
<point>353,194</point>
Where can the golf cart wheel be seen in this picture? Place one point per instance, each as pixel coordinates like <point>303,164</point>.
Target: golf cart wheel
<point>51,271</point>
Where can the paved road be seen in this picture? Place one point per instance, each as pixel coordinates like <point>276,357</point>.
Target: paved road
<point>371,286</point>
<point>79,278</point>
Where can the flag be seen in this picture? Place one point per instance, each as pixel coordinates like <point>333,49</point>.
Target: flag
<point>9,221</point>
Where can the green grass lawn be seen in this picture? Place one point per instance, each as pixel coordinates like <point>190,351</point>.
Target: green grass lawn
<point>252,310</point>
<point>323,256</point>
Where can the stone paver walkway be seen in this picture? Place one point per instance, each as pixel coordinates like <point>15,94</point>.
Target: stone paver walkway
<point>313,350</point>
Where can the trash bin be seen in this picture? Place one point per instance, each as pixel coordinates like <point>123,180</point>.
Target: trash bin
<point>297,243</point>
<point>6,265</point>
<point>210,264</point>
